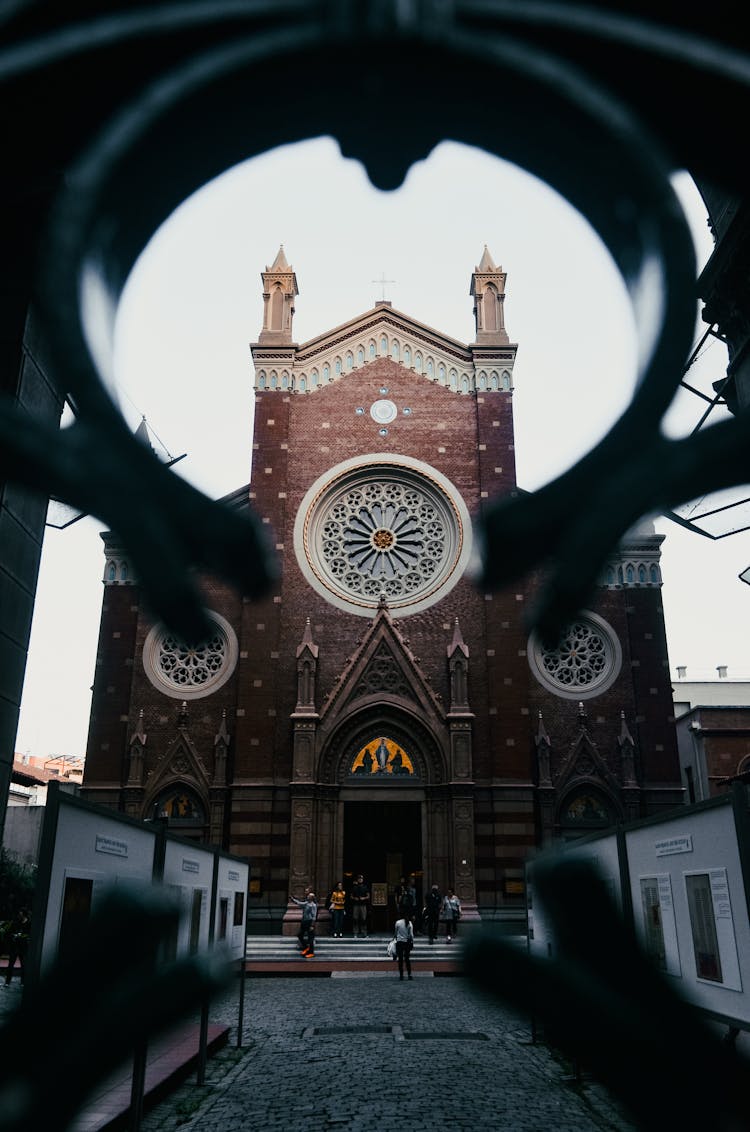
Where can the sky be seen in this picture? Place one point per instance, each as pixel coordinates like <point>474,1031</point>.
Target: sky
<point>193,304</point>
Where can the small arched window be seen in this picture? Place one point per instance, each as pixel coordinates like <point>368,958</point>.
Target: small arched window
<point>277,307</point>
<point>642,576</point>
<point>493,381</point>
<point>360,357</point>
<point>619,575</point>
<point>124,572</point>
<point>654,572</point>
<point>464,384</point>
<point>373,350</point>
<point>350,360</point>
<point>506,379</point>
<point>395,350</point>
<point>418,362</point>
<point>326,373</point>
<point>630,575</point>
<point>430,368</point>
<point>285,381</point>
<point>274,380</point>
<point>384,345</point>
<point>337,365</point>
<point>441,372</point>
<point>483,380</point>
<point>261,381</point>
<point>407,356</point>
<point>303,384</point>
<point>610,576</point>
<point>112,572</point>
<point>314,378</point>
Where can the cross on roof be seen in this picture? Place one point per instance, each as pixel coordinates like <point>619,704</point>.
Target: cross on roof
<point>383,282</point>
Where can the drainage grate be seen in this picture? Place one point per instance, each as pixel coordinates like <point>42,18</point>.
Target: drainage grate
<point>446,1035</point>
<point>330,1031</point>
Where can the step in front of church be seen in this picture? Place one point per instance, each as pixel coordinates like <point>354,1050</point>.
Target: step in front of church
<point>280,955</point>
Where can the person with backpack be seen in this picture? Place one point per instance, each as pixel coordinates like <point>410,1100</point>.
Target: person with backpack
<point>360,904</point>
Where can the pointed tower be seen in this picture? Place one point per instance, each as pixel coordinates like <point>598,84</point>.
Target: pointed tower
<point>279,290</point>
<point>488,292</point>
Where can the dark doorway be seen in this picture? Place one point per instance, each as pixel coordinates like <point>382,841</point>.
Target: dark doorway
<point>383,841</point>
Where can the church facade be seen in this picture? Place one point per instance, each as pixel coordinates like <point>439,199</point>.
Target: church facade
<point>378,713</point>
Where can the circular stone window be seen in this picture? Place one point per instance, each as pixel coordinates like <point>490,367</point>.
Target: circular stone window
<point>187,672</point>
<point>383,412</point>
<point>382,526</point>
<point>585,662</point>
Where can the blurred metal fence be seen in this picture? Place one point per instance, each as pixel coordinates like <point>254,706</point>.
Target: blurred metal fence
<point>113,113</point>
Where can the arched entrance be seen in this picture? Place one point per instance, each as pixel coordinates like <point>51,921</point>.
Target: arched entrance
<point>383,841</point>
<point>586,809</point>
<point>382,823</point>
<point>183,809</point>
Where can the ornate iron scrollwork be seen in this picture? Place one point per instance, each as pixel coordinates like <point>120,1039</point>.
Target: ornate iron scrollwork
<point>114,116</point>
<point>567,114</point>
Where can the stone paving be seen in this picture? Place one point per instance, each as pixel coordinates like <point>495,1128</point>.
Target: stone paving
<point>368,1052</point>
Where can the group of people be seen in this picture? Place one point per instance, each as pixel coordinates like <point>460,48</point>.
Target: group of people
<point>437,909</point>
<point>441,909</point>
<point>360,899</point>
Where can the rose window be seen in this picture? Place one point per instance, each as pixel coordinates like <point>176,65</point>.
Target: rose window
<point>584,663</point>
<point>192,666</point>
<point>379,530</point>
<point>189,671</point>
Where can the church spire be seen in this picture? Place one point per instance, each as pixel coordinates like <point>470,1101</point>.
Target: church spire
<point>279,290</point>
<point>488,291</point>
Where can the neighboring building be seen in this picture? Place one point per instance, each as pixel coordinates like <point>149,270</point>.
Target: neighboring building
<point>27,798</point>
<point>378,713</point>
<point>713,733</point>
<point>32,773</point>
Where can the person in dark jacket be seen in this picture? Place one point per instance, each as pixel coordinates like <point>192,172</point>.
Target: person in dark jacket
<point>360,901</point>
<point>432,911</point>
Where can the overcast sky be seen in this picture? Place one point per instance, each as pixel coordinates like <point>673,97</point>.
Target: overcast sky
<point>193,304</point>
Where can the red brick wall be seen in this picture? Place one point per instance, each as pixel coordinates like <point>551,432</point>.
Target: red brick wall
<point>469,439</point>
<point>111,695</point>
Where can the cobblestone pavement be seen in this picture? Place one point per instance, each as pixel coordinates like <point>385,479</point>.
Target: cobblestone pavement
<point>367,1053</point>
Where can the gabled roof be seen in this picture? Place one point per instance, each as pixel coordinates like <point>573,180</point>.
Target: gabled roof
<point>368,325</point>
<point>383,642</point>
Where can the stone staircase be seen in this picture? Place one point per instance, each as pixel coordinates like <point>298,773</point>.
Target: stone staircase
<point>279,955</point>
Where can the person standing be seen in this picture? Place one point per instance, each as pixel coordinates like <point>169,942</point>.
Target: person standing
<point>451,913</point>
<point>338,905</point>
<point>306,934</point>
<point>410,901</point>
<point>404,936</point>
<point>405,896</point>
<point>19,934</point>
<point>433,905</point>
<point>360,902</point>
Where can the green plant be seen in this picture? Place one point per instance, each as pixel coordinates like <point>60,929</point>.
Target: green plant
<point>17,884</point>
